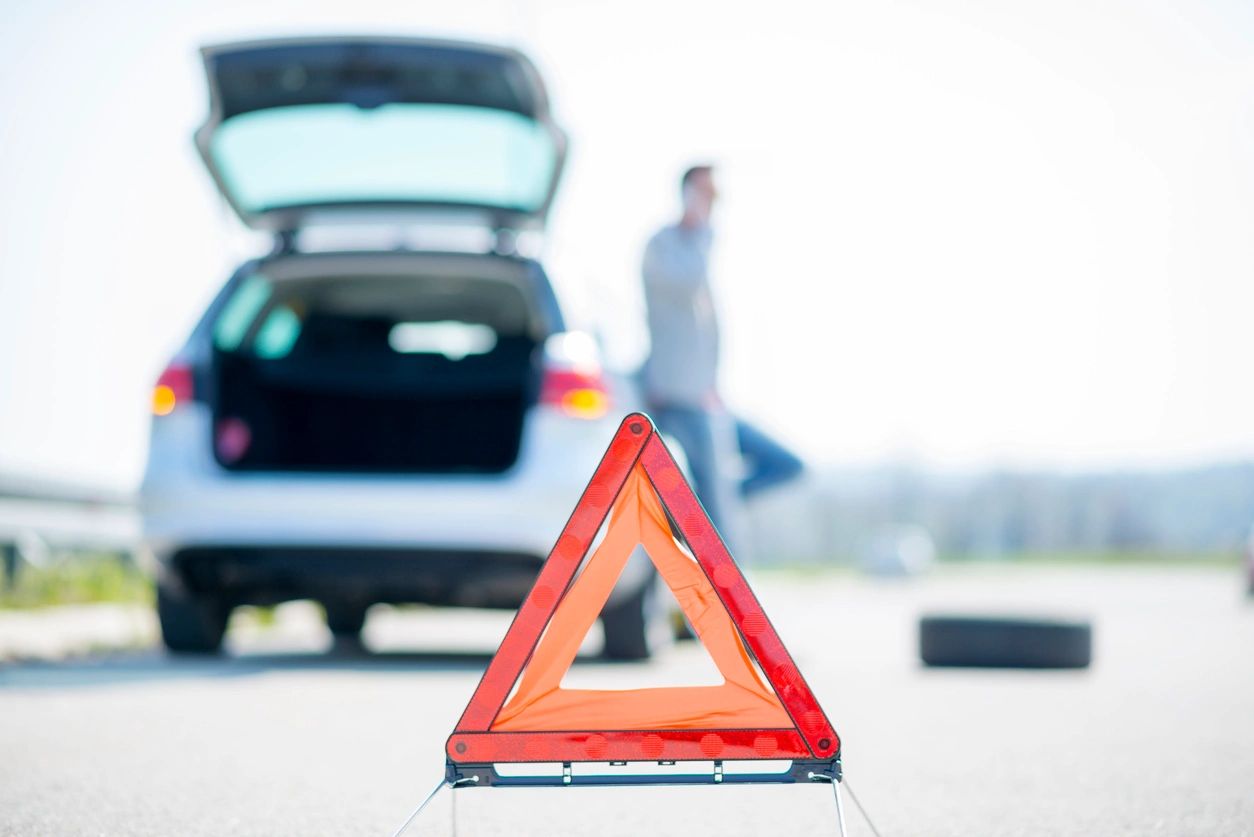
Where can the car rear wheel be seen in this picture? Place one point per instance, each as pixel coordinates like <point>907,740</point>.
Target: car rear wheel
<point>637,627</point>
<point>190,623</point>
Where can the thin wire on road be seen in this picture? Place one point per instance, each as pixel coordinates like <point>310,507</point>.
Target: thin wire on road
<point>418,810</point>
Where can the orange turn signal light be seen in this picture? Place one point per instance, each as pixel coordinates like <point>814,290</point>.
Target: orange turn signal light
<point>163,400</point>
<point>585,403</point>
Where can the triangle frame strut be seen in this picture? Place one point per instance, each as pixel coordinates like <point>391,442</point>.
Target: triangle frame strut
<point>556,574</point>
<point>810,740</point>
<point>738,597</point>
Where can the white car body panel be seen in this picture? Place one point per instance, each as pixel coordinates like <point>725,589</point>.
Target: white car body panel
<point>188,499</point>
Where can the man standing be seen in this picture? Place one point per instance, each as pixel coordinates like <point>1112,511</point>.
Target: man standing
<point>681,374</point>
<point>729,459</point>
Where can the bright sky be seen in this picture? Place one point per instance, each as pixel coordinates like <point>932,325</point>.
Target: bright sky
<point>959,232</point>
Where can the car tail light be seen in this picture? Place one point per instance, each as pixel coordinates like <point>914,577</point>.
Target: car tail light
<point>573,380</point>
<point>576,393</point>
<point>174,387</point>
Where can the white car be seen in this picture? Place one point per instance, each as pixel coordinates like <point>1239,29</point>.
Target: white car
<point>401,418</point>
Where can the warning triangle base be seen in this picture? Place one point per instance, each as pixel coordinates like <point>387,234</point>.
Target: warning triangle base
<point>612,773</point>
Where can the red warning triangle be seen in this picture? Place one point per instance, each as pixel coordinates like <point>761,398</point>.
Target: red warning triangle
<point>520,713</point>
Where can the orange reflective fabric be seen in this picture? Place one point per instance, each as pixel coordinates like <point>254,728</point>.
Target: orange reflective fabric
<point>743,701</point>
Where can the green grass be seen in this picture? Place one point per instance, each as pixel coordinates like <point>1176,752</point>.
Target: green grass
<point>845,564</point>
<point>263,616</point>
<point>80,579</point>
<point>76,579</point>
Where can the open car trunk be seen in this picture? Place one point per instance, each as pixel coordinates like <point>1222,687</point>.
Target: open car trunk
<point>392,373</point>
<point>306,130</point>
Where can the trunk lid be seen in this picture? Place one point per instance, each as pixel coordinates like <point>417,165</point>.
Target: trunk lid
<point>351,129</point>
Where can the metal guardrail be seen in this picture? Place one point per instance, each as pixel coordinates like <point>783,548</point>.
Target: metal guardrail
<point>39,518</point>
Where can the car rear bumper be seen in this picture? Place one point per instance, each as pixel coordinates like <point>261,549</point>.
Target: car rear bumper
<point>467,540</point>
<point>487,515</point>
<point>268,575</point>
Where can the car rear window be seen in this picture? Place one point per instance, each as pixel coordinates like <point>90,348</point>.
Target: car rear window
<point>339,153</point>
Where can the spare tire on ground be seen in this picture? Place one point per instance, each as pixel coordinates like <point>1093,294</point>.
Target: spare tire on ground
<point>1004,642</point>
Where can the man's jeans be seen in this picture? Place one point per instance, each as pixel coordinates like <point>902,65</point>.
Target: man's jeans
<point>766,461</point>
<point>719,447</point>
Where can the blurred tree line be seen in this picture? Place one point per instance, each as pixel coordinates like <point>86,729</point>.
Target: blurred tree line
<point>832,514</point>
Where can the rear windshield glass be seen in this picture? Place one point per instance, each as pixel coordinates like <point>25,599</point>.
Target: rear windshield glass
<point>337,153</point>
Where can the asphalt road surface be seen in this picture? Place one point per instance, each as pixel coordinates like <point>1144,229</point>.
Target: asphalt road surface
<point>288,736</point>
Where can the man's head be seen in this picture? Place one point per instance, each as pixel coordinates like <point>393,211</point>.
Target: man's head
<point>699,194</point>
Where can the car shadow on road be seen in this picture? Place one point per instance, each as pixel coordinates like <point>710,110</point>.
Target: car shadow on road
<point>120,668</point>
<point>140,666</point>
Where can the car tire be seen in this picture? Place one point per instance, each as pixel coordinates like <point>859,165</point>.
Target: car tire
<point>999,642</point>
<point>636,628</point>
<point>345,619</point>
<point>190,623</point>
